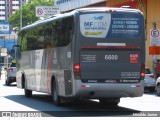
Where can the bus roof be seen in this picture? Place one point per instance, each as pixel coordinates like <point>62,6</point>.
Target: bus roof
<point>109,9</point>
<point>90,9</point>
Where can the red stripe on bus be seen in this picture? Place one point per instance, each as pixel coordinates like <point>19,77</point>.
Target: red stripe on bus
<point>49,71</point>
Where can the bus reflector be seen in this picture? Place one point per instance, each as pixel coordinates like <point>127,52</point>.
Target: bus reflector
<point>77,70</point>
<point>136,86</point>
<point>85,86</point>
<point>143,71</point>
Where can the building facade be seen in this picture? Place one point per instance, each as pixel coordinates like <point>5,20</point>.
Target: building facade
<point>67,5</point>
<point>8,7</point>
<point>9,38</point>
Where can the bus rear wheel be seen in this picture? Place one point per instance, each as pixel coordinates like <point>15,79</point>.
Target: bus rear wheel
<point>28,93</point>
<point>109,101</point>
<point>55,96</point>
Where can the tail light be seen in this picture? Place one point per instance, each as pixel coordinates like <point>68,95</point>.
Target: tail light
<point>77,70</point>
<point>10,70</point>
<point>143,71</point>
<point>152,76</point>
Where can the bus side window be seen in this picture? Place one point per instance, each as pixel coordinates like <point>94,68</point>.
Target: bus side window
<point>48,37</point>
<point>31,40</point>
<point>58,33</point>
<point>18,51</point>
<point>20,38</point>
<point>54,36</point>
<point>39,33</point>
<point>35,38</point>
<point>23,41</point>
<point>65,32</point>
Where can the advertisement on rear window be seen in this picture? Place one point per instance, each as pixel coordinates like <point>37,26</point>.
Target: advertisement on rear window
<point>109,25</point>
<point>95,25</point>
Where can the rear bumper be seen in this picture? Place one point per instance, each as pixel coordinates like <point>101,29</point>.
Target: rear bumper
<point>99,90</point>
<point>12,79</point>
<point>149,84</point>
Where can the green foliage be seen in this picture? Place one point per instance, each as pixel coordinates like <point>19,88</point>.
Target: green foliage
<point>28,13</point>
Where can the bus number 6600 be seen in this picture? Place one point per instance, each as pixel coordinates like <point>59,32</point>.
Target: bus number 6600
<point>111,57</point>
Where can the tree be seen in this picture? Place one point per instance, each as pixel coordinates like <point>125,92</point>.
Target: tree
<point>28,13</point>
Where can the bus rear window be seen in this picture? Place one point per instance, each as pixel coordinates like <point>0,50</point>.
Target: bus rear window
<point>111,25</point>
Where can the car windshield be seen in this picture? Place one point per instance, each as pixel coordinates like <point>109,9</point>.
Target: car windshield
<point>147,71</point>
<point>13,65</point>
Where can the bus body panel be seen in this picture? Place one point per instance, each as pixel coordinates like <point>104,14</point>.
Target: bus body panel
<point>108,64</point>
<point>39,66</point>
<point>99,90</point>
<point>111,53</point>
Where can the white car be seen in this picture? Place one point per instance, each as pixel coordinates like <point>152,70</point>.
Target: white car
<point>150,80</point>
<point>158,86</point>
<point>11,74</point>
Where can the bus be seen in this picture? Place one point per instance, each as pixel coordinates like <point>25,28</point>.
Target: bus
<point>91,53</point>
